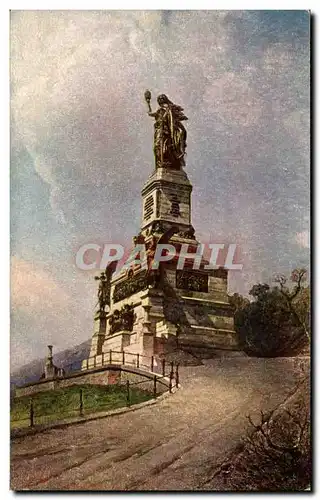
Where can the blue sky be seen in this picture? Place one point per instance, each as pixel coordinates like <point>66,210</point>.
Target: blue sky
<point>81,146</point>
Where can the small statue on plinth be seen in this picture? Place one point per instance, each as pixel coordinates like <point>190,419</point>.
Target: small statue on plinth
<point>102,291</point>
<point>105,286</point>
<point>170,134</point>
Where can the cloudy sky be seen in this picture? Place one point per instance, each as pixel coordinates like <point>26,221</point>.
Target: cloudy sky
<point>81,146</point>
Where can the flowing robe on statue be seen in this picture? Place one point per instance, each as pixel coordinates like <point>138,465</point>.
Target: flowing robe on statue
<point>169,137</point>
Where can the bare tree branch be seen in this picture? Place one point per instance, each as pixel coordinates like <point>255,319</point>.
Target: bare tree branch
<point>297,276</point>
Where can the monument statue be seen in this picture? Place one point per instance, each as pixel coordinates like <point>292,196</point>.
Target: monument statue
<point>105,285</point>
<point>102,291</point>
<point>169,133</point>
<point>122,319</point>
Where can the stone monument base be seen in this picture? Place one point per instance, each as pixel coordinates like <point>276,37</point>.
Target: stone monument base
<point>168,313</point>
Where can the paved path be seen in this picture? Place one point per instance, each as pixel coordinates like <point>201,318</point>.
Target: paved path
<point>173,445</point>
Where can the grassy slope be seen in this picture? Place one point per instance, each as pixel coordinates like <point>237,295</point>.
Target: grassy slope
<point>62,403</point>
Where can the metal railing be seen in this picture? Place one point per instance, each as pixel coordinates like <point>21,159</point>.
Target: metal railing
<point>154,371</point>
<point>133,360</point>
<point>130,391</point>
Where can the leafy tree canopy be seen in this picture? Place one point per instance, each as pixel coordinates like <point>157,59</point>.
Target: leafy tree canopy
<point>276,322</point>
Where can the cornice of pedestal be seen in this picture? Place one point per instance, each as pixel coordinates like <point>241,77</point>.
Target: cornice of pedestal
<point>163,176</point>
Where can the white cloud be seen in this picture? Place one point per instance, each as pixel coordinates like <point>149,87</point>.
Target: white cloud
<point>34,290</point>
<point>46,311</point>
<point>303,239</point>
<point>278,58</point>
<point>233,99</point>
<point>297,123</point>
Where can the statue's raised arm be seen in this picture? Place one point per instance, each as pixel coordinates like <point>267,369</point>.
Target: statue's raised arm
<point>170,134</point>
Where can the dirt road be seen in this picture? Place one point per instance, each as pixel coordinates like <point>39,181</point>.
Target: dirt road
<point>173,445</point>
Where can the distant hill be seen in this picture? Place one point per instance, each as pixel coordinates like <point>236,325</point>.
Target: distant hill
<point>32,371</point>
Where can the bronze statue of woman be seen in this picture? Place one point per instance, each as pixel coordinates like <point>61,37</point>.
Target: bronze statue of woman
<point>169,133</point>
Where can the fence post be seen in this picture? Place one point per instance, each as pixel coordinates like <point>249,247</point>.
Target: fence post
<point>110,357</point>
<point>123,357</point>
<point>171,370</point>
<point>155,387</point>
<point>128,392</point>
<point>138,360</point>
<point>163,367</point>
<point>152,363</point>
<point>81,403</point>
<point>31,413</point>
<point>102,359</point>
<point>171,381</point>
<point>87,364</point>
<point>177,374</point>
<point>94,361</point>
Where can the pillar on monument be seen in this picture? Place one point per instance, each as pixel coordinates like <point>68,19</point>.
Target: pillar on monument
<point>49,370</point>
<point>166,200</point>
<point>99,334</point>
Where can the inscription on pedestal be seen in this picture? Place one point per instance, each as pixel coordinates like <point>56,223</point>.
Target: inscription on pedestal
<point>175,208</point>
<point>148,207</point>
<point>192,281</point>
<point>134,284</point>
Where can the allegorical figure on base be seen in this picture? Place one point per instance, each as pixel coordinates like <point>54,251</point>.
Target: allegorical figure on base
<point>105,285</point>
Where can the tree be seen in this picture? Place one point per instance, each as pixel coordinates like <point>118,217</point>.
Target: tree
<point>297,298</point>
<point>238,302</point>
<point>276,321</point>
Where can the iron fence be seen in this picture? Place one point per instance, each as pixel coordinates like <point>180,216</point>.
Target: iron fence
<point>167,376</point>
<point>123,358</point>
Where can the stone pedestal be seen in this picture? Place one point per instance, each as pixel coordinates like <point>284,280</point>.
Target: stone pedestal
<point>146,325</point>
<point>166,200</point>
<point>49,370</point>
<point>99,334</point>
<point>185,308</point>
<point>117,342</point>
